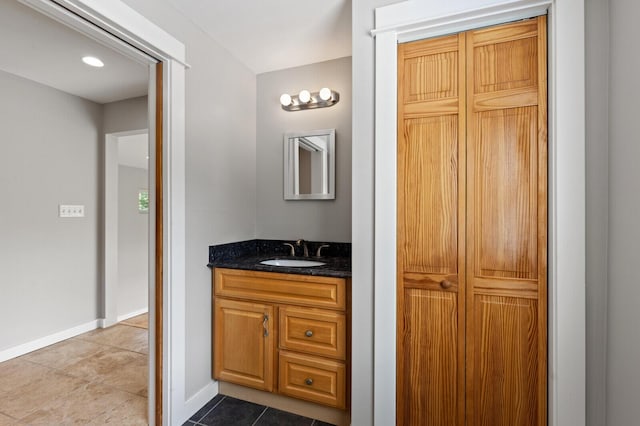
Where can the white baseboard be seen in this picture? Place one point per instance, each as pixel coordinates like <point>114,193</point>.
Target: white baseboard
<point>132,314</point>
<point>42,342</point>
<point>196,402</point>
<point>105,323</point>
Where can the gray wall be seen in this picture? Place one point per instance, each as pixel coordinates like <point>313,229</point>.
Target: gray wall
<point>623,381</point>
<point>126,115</point>
<point>597,154</point>
<point>133,247</point>
<point>49,266</point>
<point>220,169</point>
<point>310,219</point>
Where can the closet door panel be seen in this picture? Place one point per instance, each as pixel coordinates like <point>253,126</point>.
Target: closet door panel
<point>506,225</point>
<point>430,388</point>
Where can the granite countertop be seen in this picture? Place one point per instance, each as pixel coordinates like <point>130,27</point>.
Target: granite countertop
<point>247,255</point>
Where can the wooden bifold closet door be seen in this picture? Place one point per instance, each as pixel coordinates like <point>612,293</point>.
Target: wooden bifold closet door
<point>472,228</point>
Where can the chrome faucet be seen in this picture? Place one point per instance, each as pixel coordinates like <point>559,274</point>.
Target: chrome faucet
<point>319,251</point>
<point>305,249</point>
<point>293,249</point>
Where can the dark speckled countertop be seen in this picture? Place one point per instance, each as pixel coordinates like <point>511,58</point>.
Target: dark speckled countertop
<point>247,255</point>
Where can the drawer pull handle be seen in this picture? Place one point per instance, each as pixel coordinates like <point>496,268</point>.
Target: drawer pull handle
<point>309,382</point>
<point>308,333</point>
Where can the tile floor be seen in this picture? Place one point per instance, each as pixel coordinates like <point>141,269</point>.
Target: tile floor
<point>227,411</point>
<point>100,377</point>
<point>96,378</point>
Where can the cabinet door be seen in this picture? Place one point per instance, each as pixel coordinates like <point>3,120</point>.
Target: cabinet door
<point>431,228</point>
<point>243,343</point>
<point>507,225</point>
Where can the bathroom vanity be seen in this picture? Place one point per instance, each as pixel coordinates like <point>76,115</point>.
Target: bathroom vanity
<point>283,330</point>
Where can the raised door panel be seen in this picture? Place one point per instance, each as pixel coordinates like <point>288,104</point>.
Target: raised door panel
<point>429,159</point>
<point>506,225</point>
<point>243,343</point>
<point>430,358</point>
<point>505,333</point>
<point>431,187</point>
<point>506,193</point>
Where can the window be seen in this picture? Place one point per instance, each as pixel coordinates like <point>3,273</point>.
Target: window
<point>143,201</point>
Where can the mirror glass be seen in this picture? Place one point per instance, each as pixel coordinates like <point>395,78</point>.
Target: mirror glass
<point>309,165</point>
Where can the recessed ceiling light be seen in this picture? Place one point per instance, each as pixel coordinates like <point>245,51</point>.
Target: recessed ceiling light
<point>93,61</point>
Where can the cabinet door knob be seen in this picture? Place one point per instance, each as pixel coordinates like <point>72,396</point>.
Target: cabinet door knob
<point>446,284</point>
<point>308,333</point>
<point>308,381</point>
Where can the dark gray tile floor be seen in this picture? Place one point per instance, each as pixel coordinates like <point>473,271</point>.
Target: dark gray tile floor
<point>227,411</point>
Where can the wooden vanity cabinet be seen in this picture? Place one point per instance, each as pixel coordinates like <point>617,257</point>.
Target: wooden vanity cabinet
<point>282,333</point>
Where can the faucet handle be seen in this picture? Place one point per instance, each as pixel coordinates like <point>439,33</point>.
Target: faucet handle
<point>319,251</point>
<point>293,249</point>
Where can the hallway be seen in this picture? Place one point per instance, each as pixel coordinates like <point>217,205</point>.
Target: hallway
<point>99,377</point>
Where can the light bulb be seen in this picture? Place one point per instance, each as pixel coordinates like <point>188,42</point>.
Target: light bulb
<point>325,93</point>
<point>304,96</point>
<point>285,99</point>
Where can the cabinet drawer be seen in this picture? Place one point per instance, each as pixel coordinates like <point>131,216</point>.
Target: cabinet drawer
<point>314,331</point>
<point>312,378</point>
<point>306,290</point>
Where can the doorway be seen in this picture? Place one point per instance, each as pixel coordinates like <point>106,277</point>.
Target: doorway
<point>126,225</point>
<point>68,289</point>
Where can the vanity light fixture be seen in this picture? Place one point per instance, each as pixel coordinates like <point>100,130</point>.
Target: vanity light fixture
<point>309,100</point>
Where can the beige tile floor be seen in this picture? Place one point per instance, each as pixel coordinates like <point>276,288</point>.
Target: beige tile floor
<point>99,377</point>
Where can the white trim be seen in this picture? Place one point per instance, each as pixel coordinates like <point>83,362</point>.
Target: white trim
<point>566,199</point>
<point>132,314</point>
<point>456,22</point>
<point>567,211</point>
<point>110,231</point>
<point>385,232</point>
<point>174,233</point>
<point>197,401</point>
<point>43,342</point>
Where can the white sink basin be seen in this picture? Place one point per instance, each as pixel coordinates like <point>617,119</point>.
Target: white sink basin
<point>296,263</point>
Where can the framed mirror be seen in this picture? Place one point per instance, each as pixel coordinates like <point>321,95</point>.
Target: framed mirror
<point>309,165</point>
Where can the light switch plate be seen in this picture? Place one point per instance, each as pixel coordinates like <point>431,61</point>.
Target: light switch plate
<point>68,210</point>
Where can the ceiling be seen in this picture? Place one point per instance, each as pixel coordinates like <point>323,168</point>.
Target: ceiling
<point>275,34</point>
<point>264,35</point>
<point>52,56</point>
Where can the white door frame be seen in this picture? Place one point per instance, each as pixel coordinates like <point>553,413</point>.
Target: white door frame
<point>110,227</point>
<point>115,24</point>
<point>414,20</point>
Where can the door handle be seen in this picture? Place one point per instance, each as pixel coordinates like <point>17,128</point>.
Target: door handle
<point>265,320</point>
<point>446,284</point>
